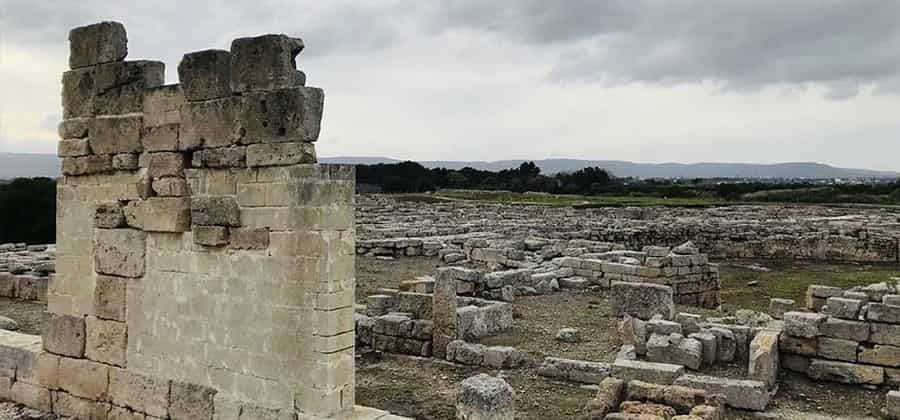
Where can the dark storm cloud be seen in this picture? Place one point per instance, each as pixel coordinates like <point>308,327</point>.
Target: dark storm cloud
<point>743,45</point>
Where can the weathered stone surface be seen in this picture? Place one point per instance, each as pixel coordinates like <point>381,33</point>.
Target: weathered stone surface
<point>205,75</point>
<point>210,235</point>
<point>125,162</point>
<point>170,187</point>
<point>642,300</point>
<point>191,402</point>
<point>880,312</point>
<point>161,138</point>
<point>162,164</point>
<point>84,378</point>
<point>764,358</point>
<point>777,307</point>
<point>250,239</point>
<point>31,395</point>
<point>74,128</point>
<point>78,93</point>
<point>850,373</point>
<point>68,405</point>
<point>483,397</point>
<point>798,345</point>
<point>803,324</point>
<point>283,115</point>
<point>844,308</point>
<point>744,394</point>
<point>280,154</point>
<point>680,398</point>
<point>837,349</point>
<point>160,214</point>
<point>109,298</point>
<point>844,329</point>
<point>209,124</point>
<point>221,157</point>
<point>112,135</point>
<point>120,252</point>
<point>265,62</point>
<point>64,334</point>
<point>162,106</point>
<point>443,312</point>
<point>609,395</point>
<point>658,373</point>
<point>108,215</point>
<point>97,43</point>
<point>106,341</point>
<point>73,148</point>
<point>139,392</point>
<point>86,165</point>
<point>119,87</point>
<point>885,333</point>
<point>880,354</point>
<point>574,370</point>
<point>215,211</point>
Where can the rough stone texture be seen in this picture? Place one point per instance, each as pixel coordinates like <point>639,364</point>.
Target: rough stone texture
<point>205,75</point>
<point>850,373</point>
<point>658,373</point>
<point>210,235</point>
<point>641,300</point>
<point>250,239</point>
<point>170,187</point>
<point>483,397</point>
<point>119,87</point>
<point>98,43</point>
<point>443,312</point>
<point>265,62</point>
<point>109,215</point>
<point>222,157</point>
<point>73,148</point>
<point>744,394</point>
<point>803,324</point>
<point>574,370</point>
<point>280,154</point>
<point>111,135</point>
<point>609,395</point>
<point>680,398</point>
<point>64,334</point>
<point>84,378</point>
<point>209,124</point>
<point>284,115</point>
<point>215,211</point>
<point>106,341</point>
<point>764,358</point>
<point>86,165</point>
<point>161,138</point>
<point>191,402</point>
<point>120,252</point>
<point>109,298</point>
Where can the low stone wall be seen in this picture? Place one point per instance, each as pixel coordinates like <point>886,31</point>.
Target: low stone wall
<point>850,336</point>
<point>25,271</point>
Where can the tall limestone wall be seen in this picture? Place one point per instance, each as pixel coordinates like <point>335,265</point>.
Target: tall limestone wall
<point>205,261</point>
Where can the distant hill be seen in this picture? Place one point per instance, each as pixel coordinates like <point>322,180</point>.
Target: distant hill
<point>14,165</point>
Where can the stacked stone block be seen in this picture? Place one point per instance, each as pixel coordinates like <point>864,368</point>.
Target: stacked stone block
<point>850,336</point>
<point>205,262</point>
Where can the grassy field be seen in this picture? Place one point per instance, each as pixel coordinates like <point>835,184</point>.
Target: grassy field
<point>562,200</point>
<point>790,278</point>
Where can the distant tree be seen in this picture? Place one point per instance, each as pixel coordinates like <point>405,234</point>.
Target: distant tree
<point>28,211</point>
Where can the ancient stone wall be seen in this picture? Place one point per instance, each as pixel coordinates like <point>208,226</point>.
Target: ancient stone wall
<point>205,262</point>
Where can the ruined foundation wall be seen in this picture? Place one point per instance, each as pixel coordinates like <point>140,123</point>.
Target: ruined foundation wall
<point>205,262</point>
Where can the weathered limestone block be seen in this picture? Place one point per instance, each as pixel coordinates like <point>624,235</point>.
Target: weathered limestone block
<point>641,410</point>
<point>112,135</point>
<point>680,398</point>
<point>443,312</point>
<point>885,334</point>
<point>191,402</point>
<point>265,62</point>
<point>139,392</point>
<point>250,239</point>
<point>162,164</point>
<point>798,345</point>
<point>65,404</point>
<point>120,252</point>
<point>106,341</point>
<point>125,162</point>
<point>837,349</point>
<point>86,165</point>
<point>209,124</point>
<point>170,187</point>
<point>210,235</point>
<point>803,324</point>
<point>84,378</point>
<point>119,413</point>
<point>31,395</point>
<point>726,344</point>
<point>744,394</point>
<point>64,335</point>
<point>880,312</point>
<point>109,298</point>
<point>849,373</point>
<point>844,308</point>
<point>73,148</point>
<point>280,154</point>
<point>98,43</point>
<point>162,105</point>
<point>205,75</point>
<point>609,395</point>
<point>658,373</point>
<point>108,215</point>
<point>574,370</point>
<point>215,211</point>
<point>764,358</point>
<point>78,93</point>
<point>221,157</point>
<point>483,397</point>
<point>283,115</point>
<point>777,307</point>
<point>880,354</point>
<point>74,128</point>
<point>120,86</point>
<point>642,300</point>
<point>843,329</point>
<point>160,138</point>
<point>160,214</point>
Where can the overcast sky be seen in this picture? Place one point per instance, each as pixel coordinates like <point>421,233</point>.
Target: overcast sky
<point>649,81</point>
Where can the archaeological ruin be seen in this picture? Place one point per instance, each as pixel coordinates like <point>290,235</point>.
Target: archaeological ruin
<point>207,267</point>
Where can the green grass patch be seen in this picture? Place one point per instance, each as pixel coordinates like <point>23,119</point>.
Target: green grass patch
<point>790,278</point>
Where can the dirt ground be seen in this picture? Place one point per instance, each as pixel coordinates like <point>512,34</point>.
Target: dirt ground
<point>373,273</point>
